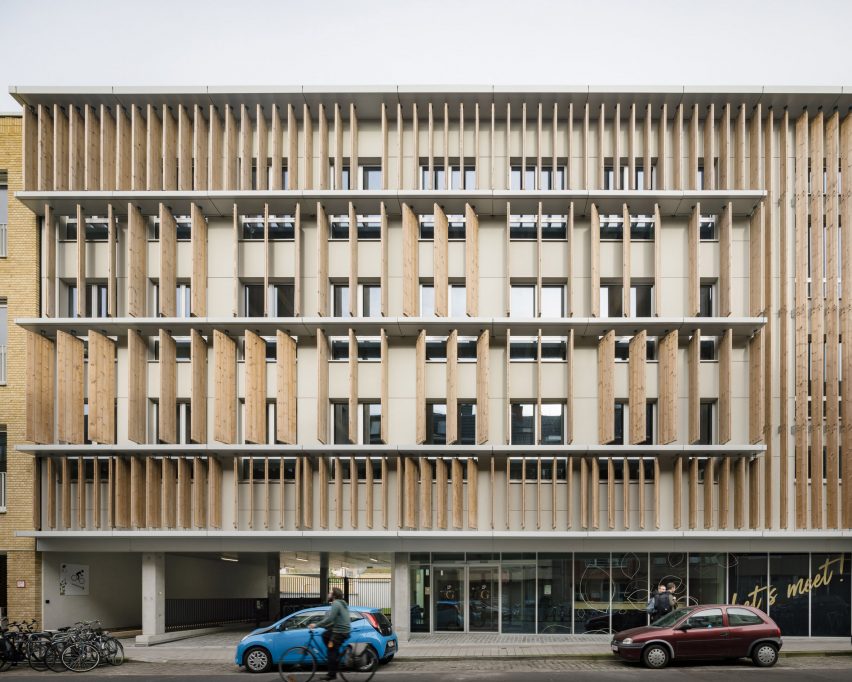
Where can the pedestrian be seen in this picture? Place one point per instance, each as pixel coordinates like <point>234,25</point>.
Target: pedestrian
<point>662,602</point>
<point>337,624</point>
<point>670,588</point>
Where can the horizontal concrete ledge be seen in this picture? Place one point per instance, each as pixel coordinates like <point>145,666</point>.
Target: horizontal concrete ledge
<point>151,640</point>
<point>220,203</point>
<point>583,327</point>
<point>392,451</point>
<point>697,535</point>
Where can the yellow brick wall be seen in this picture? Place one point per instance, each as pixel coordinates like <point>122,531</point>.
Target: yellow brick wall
<point>19,273</point>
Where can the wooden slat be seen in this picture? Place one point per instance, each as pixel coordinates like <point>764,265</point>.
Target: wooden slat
<point>49,249</point>
<point>473,493</point>
<point>200,141</point>
<point>584,493</point>
<point>153,492</point>
<point>770,236</point>
<point>96,495</point>
<point>658,261</point>
<point>215,157</point>
<point>385,491</point>
<point>420,388</point>
<point>230,144</point>
<point>638,351</point>
<point>168,263</point>
<point>755,138</point>
<point>710,148</point>
<point>677,148</point>
<point>625,261</point>
<point>440,262</point>
<point>255,388</point>
<point>725,172</point>
<point>657,485</point>
<point>458,494</point>
<point>198,391</point>
<point>81,494</point>
<point>353,147</point>
<point>625,494</point>
<point>353,261</point>
<point>276,148</point>
<point>817,320</point>
<point>677,494</point>
<point>756,388</point>
<point>137,493</point>
<point>307,122</point>
<point>662,149</point>
<point>286,388</point>
<point>452,387</point>
<point>308,493</point>
<point>692,151</point>
<point>322,468</point>
<point>82,303</point>
<point>595,265</point>
<point>245,149</point>
<point>225,404</point>
<point>631,148</point>
<point>322,261</point>
<point>154,153</point>
<point>214,492</point>
<point>441,492</point>
<point>801,320</point>
<point>784,317</point>
<point>606,399</point>
<point>138,148</point>
<point>40,388</point>
<point>693,492</point>
<point>693,356</point>
<point>471,260</point>
<point>739,149</point>
<point>667,387</point>
<point>725,368</point>
<point>739,492</point>
<point>119,515</point>
<point>384,426</point>
<point>754,493</point>
<point>76,151</point>
<point>709,474</point>
<point>610,493</point>
<point>483,344</point>
<point>599,174</point>
<point>725,260</point>
<point>236,489</point>
<point>199,490</point>
<point>198,292</point>
<point>569,384</point>
<point>69,364</point>
<point>845,313</point>
<point>425,492</point>
<point>338,492</point>
<point>107,148</point>
<point>262,159</point>
<point>409,493</point>
<point>694,278</point>
<point>167,409</point>
<point>169,492</point>
<point>137,240</point>
<point>595,493</point>
<point>184,493</point>
<point>410,268</point>
<point>30,150</point>
<point>322,387</point>
<point>112,265</point>
<point>353,387</point>
<point>101,389</point>
<point>137,386</point>
<point>65,494</point>
<point>171,148</point>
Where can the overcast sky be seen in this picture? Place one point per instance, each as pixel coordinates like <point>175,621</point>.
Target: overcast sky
<point>340,42</point>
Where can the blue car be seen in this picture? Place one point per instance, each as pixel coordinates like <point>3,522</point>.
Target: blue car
<point>263,648</point>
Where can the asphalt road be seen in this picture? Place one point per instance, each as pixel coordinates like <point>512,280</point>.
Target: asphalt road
<point>491,670</point>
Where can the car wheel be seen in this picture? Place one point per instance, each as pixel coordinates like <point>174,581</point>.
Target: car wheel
<point>765,655</point>
<point>257,660</point>
<point>656,656</point>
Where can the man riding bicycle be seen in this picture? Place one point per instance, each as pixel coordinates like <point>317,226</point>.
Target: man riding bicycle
<point>338,625</point>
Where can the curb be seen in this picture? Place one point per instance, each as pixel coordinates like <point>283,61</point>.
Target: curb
<point>591,657</point>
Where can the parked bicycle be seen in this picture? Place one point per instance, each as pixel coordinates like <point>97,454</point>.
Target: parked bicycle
<point>358,661</point>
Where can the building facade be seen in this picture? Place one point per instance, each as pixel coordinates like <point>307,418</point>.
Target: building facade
<point>20,568</point>
<point>533,351</point>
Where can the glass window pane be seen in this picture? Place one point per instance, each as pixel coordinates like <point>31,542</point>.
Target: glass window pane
<point>554,349</point>
<point>518,596</point>
<point>467,423</point>
<point>436,348</point>
<point>641,299</point>
<point>340,293</point>
<point>421,604</point>
<point>254,300</point>
<point>707,578</point>
<point>629,590</point>
<point>458,300</point>
<point>591,593</point>
<point>830,600</point>
<point>436,424</point>
<point>427,300</point>
<point>523,424</point>
<point>372,424</point>
<point>552,424</point>
<point>555,578</point>
<point>281,300</point>
<point>747,574</point>
<point>522,303</point>
<point>552,301</point>
<point>705,308</point>
<point>523,349</point>
<point>341,423</point>
<point>372,301</point>
<point>789,574</point>
<point>372,177</point>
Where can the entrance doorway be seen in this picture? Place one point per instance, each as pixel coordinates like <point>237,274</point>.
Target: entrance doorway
<point>449,598</point>
<point>483,598</point>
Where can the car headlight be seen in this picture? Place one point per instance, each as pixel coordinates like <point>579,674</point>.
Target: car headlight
<point>627,640</point>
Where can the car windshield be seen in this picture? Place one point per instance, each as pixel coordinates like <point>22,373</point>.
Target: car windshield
<point>671,618</point>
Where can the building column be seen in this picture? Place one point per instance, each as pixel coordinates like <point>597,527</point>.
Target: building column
<point>400,596</point>
<point>153,597</point>
<point>273,586</point>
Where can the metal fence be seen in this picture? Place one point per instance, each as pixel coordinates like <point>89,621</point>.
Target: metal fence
<point>372,591</point>
<point>185,614</point>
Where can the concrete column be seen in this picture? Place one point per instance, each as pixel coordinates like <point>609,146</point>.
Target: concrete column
<point>400,596</point>
<point>273,586</point>
<point>153,597</point>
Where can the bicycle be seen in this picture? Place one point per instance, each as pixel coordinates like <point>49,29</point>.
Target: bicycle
<point>358,662</point>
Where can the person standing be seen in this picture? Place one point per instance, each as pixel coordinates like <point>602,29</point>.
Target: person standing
<point>662,603</point>
<point>338,625</point>
<point>670,589</point>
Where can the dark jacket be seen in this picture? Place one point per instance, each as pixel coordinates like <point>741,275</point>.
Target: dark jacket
<point>663,603</point>
<point>337,618</point>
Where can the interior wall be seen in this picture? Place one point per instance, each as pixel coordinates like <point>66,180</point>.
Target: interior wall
<point>195,577</point>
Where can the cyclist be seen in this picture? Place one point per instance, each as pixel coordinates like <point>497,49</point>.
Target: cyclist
<point>337,624</point>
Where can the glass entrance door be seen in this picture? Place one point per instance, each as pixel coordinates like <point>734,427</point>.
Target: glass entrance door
<point>518,597</point>
<point>448,591</point>
<point>483,599</point>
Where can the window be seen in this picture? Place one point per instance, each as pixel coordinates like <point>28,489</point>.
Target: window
<point>706,300</point>
<point>707,417</point>
<point>344,184</point>
<point>523,227</point>
<point>641,227</point>
<point>525,349</point>
<point>529,179</point>
<point>622,349</point>
<point>641,300</point>
<point>4,340</point>
<point>455,227</point>
<point>524,426</point>
<point>640,176</point>
<point>456,300</point>
<point>552,301</point>
<point>371,177</point>
<point>456,177</point>
<point>612,228</point>
<point>706,618</point>
<point>738,617</point>
<point>183,298</point>
<point>369,348</point>
<point>369,300</point>
<point>281,300</point>
<point>436,423</point>
<point>183,416</point>
<point>369,227</point>
<point>96,300</point>
<point>437,181</point>
<point>2,469</point>
<point>4,220</point>
<point>622,423</point>
<point>369,423</point>
<point>97,229</point>
<point>707,228</point>
<point>281,228</point>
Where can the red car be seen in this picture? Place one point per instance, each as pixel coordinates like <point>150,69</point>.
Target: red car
<point>706,632</point>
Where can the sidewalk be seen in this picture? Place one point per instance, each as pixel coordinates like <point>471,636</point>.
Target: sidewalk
<point>219,647</point>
